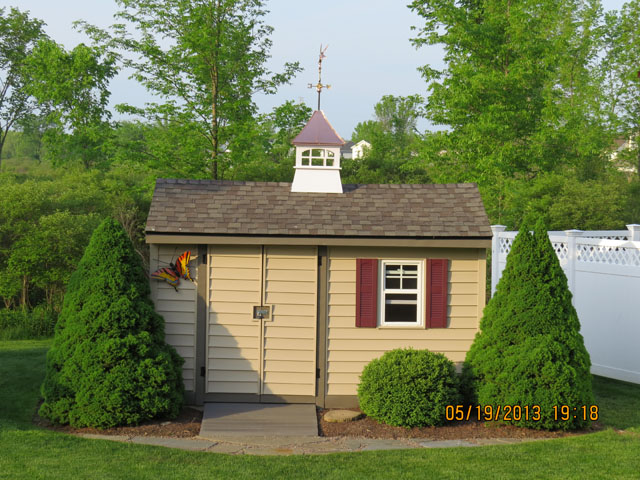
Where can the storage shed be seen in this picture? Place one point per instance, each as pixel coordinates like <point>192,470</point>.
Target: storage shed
<point>298,286</point>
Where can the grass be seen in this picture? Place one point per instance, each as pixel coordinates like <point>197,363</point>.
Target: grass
<point>29,452</point>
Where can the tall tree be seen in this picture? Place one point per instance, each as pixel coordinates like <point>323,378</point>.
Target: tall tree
<point>516,95</point>
<point>394,142</point>
<point>72,87</point>
<point>621,70</point>
<point>18,35</point>
<point>263,152</point>
<point>204,58</point>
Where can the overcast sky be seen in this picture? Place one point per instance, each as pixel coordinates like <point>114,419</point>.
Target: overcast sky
<point>369,52</point>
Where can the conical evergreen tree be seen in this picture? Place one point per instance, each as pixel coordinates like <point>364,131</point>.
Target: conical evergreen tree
<point>529,350</point>
<point>109,364</point>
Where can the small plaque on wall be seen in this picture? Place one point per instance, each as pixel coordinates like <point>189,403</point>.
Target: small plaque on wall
<point>261,312</point>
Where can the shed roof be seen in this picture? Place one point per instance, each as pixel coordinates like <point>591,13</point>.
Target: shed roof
<point>318,131</point>
<point>363,211</point>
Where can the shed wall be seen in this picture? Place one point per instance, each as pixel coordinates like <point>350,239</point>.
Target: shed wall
<point>177,308</point>
<point>351,348</point>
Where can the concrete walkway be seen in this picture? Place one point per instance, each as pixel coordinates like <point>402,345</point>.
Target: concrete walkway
<point>265,429</point>
<point>299,445</point>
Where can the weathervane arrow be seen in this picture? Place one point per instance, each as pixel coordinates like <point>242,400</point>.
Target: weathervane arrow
<point>319,86</point>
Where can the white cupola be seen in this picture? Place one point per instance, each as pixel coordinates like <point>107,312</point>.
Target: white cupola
<point>317,157</point>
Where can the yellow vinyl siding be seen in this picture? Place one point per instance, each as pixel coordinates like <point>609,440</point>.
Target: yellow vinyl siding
<point>177,308</point>
<point>233,337</point>
<point>351,348</point>
<point>290,335</point>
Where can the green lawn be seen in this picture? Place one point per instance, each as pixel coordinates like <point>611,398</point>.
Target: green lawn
<point>32,453</point>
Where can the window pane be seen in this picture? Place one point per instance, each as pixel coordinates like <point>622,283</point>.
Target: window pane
<point>401,298</point>
<point>329,162</point>
<point>410,283</point>
<point>392,282</point>
<point>411,268</point>
<point>318,152</point>
<point>306,153</point>
<point>317,162</point>
<point>400,313</point>
<point>392,269</point>
<point>305,161</point>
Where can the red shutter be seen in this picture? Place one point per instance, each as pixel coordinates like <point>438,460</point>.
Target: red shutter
<point>367,292</point>
<point>436,293</point>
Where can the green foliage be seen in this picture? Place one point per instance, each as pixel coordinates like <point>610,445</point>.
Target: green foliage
<point>529,350</point>
<point>566,202</point>
<point>72,87</point>
<point>109,364</point>
<point>394,143</point>
<point>262,150</point>
<point>518,94</point>
<point>408,388</point>
<point>212,60</point>
<point>18,35</point>
<point>46,222</point>
<point>24,324</point>
<point>619,70</point>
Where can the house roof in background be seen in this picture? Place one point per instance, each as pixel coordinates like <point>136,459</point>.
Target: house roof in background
<point>263,209</point>
<point>318,131</point>
<point>345,150</point>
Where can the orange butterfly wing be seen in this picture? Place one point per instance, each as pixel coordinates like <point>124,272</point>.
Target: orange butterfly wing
<point>168,275</point>
<point>182,266</point>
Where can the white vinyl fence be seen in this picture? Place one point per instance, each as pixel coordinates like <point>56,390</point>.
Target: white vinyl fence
<point>603,269</point>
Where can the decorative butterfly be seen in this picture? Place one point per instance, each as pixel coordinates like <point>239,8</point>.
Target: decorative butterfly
<point>174,272</point>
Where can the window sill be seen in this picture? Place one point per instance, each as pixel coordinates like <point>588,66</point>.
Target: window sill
<point>401,327</point>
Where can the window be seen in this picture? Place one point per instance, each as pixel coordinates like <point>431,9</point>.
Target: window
<point>318,157</point>
<point>407,293</point>
<point>401,293</point>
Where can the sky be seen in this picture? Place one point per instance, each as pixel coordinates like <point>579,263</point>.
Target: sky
<point>369,52</point>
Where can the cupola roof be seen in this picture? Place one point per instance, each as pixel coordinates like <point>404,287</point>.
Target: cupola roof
<point>318,131</point>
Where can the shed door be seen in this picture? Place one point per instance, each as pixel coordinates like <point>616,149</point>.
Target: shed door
<point>262,359</point>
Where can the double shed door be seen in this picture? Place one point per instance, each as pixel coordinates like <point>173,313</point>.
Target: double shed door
<point>270,359</point>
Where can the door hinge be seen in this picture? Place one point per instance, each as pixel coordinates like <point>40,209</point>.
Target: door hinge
<point>319,260</point>
<point>204,259</point>
<point>317,373</point>
<point>202,371</point>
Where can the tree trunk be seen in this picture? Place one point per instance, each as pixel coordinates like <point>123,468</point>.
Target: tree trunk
<point>3,137</point>
<point>25,292</point>
<point>214,94</point>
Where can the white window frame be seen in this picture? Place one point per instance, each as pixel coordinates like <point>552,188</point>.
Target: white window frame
<point>382,291</point>
<point>323,155</point>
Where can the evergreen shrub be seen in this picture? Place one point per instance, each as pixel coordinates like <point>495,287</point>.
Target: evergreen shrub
<point>529,350</point>
<point>109,364</point>
<point>408,388</point>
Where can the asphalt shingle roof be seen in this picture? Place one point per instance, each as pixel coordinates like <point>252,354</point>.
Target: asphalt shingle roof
<point>260,208</point>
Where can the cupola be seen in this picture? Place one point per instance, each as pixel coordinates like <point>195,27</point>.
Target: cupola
<point>317,157</point>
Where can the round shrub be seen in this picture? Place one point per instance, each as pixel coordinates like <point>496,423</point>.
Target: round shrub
<point>408,388</point>
<point>109,364</point>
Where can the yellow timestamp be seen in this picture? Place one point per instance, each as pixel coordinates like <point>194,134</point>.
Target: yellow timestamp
<point>565,413</point>
<point>516,413</point>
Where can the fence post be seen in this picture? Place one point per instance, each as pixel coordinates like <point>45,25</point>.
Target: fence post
<point>634,232</point>
<point>572,258</point>
<point>495,255</point>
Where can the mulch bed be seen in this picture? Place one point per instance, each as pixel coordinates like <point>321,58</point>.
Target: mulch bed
<point>369,428</point>
<point>188,425</point>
